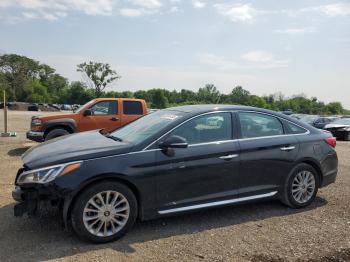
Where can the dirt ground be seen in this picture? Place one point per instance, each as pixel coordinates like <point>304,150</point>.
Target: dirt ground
<point>265,231</point>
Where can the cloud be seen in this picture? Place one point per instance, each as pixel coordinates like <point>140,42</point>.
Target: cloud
<point>237,12</point>
<point>331,10</point>
<point>295,31</point>
<point>198,4</point>
<point>150,4</point>
<point>264,59</point>
<point>54,9</point>
<point>217,61</point>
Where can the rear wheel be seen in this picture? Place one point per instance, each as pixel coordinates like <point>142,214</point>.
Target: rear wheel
<point>301,186</point>
<point>104,212</point>
<point>56,133</point>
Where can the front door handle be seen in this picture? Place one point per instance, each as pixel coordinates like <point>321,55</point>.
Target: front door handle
<point>114,119</point>
<point>228,157</point>
<point>287,148</point>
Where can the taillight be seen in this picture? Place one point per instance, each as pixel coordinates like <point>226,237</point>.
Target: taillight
<point>332,141</point>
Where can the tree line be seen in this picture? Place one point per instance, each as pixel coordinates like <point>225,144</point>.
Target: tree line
<point>28,80</point>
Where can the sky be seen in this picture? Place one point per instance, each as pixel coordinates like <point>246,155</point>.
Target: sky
<point>293,47</point>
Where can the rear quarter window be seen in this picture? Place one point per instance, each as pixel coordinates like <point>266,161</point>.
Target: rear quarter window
<point>132,108</point>
<point>293,129</point>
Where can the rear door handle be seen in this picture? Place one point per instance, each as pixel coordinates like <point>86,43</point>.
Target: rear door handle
<point>228,157</point>
<point>287,148</point>
<point>114,119</point>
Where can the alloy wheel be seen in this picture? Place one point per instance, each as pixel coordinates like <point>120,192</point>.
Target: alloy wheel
<point>303,186</point>
<point>106,213</point>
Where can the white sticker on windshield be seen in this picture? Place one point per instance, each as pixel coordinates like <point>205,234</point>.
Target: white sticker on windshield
<point>169,117</point>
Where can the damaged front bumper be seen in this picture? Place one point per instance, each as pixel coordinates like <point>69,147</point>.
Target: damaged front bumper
<point>29,199</point>
<point>28,202</point>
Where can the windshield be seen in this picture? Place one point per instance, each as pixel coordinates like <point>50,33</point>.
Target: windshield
<point>342,121</point>
<point>83,106</point>
<point>147,126</point>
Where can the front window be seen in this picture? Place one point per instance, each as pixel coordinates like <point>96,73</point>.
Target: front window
<point>206,128</point>
<point>84,106</point>
<point>105,108</point>
<point>147,126</point>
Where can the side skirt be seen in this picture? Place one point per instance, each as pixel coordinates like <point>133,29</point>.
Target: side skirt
<point>217,203</point>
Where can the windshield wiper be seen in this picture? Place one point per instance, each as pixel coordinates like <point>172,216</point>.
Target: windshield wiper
<point>114,138</point>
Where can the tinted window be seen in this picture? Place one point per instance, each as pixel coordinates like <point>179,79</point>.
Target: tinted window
<point>293,129</point>
<point>258,125</point>
<point>132,108</point>
<point>105,108</point>
<point>207,128</point>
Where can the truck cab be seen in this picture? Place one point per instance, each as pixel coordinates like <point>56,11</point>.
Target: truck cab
<point>101,113</point>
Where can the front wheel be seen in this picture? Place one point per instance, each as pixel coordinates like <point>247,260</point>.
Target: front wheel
<point>56,133</point>
<point>301,186</point>
<point>104,212</point>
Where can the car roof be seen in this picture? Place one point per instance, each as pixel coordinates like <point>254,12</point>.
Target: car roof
<point>217,107</point>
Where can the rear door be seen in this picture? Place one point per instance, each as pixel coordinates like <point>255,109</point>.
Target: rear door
<point>105,115</point>
<point>131,110</point>
<point>267,153</point>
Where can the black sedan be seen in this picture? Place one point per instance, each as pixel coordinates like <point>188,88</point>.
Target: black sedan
<point>340,128</point>
<point>173,161</point>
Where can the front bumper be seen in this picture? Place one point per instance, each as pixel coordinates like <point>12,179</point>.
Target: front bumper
<point>35,136</point>
<point>30,198</point>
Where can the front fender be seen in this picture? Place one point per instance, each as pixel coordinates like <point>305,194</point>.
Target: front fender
<point>65,122</point>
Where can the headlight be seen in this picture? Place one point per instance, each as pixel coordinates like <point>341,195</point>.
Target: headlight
<point>46,174</point>
<point>36,122</point>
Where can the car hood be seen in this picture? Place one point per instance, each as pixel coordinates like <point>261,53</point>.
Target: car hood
<point>335,126</point>
<point>56,116</point>
<point>79,146</point>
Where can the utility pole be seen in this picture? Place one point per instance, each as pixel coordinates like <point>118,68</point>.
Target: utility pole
<point>6,133</point>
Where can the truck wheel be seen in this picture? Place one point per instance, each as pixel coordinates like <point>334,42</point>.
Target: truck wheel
<point>56,133</point>
<point>301,186</point>
<point>104,212</point>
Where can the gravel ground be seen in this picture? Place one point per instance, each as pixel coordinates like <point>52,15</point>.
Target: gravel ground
<point>265,231</point>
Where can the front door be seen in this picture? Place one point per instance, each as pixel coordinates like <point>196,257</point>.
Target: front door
<point>206,171</point>
<point>104,116</point>
<point>267,153</point>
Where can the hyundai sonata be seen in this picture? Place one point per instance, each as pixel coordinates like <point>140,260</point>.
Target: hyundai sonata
<point>174,161</point>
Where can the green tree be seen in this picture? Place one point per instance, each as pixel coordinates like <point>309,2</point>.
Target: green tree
<point>209,94</point>
<point>239,96</point>
<point>335,108</point>
<point>159,99</point>
<point>17,70</point>
<point>99,74</point>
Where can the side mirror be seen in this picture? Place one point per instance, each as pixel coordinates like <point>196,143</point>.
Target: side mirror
<point>174,142</point>
<point>87,112</point>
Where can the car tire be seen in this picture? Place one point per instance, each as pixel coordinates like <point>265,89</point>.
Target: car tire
<point>347,136</point>
<point>56,133</point>
<point>301,186</point>
<point>114,224</point>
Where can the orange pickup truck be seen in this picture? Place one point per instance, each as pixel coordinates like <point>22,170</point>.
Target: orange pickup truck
<point>101,113</point>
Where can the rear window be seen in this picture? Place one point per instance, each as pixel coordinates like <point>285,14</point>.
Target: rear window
<point>132,108</point>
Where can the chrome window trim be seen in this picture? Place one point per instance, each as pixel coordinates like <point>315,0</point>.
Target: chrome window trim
<point>216,203</point>
<point>239,139</point>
